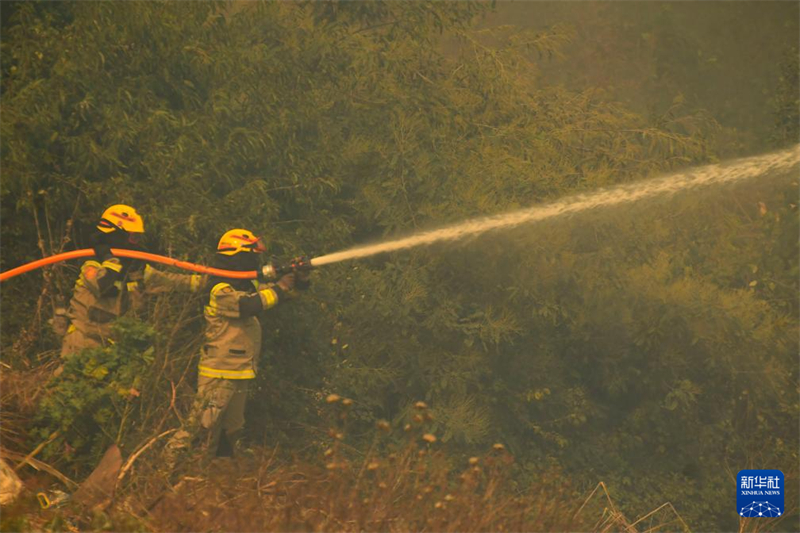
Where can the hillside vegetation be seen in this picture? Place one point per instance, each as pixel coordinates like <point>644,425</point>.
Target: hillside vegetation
<point>652,347</point>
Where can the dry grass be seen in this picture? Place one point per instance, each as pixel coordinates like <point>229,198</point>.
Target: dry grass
<point>412,486</point>
<point>415,486</point>
<point>19,397</point>
<point>414,490</point>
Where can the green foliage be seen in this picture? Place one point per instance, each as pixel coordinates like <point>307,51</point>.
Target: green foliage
<point>787,102</point>
<point>650,343</point>
<point>91,401</point>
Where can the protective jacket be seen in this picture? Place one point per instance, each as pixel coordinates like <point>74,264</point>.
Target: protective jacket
<point>103,293</point>
<point>233,332</point>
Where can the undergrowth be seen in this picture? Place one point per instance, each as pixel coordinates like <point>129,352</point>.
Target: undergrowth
<point>412,486</point>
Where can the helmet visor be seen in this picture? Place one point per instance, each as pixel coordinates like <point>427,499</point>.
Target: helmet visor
<point>257,246</point>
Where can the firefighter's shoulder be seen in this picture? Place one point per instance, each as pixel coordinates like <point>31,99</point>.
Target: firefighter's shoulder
<point>222,288</point>
<point>89,269</point>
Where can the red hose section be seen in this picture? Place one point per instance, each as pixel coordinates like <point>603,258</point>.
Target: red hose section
<point>248,274</point>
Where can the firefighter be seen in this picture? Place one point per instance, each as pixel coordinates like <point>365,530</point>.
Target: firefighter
<point>228,361</point>
<point>107,284</point>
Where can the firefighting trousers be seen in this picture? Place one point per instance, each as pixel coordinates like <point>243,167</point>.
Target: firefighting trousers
<point>218,406</point>
<point>75,341</point>
<point>220,403</point>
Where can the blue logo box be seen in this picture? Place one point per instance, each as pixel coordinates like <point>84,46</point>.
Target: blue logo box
<point>759,493</point>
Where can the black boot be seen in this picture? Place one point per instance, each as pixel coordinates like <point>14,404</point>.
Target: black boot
<point>225,447</point>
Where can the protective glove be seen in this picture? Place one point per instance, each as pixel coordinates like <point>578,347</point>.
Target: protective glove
<point>303,274</point>
<point>286,283</point>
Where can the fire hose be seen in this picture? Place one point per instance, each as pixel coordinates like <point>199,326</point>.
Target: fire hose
<point>269,271</point>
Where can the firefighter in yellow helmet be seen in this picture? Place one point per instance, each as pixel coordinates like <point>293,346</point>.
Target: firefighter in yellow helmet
<point>229,357</point>
<point>106,283</point>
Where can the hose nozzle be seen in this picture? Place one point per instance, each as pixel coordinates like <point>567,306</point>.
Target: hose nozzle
<point>273,272</point>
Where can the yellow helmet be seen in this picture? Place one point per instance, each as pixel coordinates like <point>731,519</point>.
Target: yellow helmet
<point>122,217</point>
<point>239,240</point>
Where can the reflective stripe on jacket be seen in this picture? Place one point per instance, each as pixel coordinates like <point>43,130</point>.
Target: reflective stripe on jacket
<point>233,341</point>
<point>96,303</point>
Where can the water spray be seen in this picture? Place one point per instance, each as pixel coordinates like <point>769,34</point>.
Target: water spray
<point>737,170</point>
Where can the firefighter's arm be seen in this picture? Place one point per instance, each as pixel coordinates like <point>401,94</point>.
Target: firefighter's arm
<point>102,278</point>
<point>265,298</point>
<point>289,284</point>
<point>225,301</point>
<point>298,280</point>
<point>155,281</point>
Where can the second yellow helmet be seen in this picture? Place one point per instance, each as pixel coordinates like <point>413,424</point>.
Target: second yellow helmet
<point>239,240</point>
<point>121,217</point>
